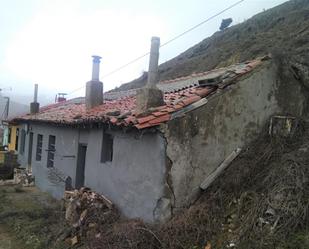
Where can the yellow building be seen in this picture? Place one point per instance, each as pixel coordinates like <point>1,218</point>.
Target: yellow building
<point>13,134</point>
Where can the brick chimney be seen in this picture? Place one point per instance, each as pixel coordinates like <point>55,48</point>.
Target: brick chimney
<point>94,88</point>
<point>150,95</point>
<point>35,106</point>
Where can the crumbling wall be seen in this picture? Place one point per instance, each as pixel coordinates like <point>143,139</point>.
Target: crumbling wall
<point>198,142</point>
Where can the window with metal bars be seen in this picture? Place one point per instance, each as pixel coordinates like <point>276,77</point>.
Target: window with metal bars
<point>51,151</point>
<point>39,145</point>
<point>22,141</point>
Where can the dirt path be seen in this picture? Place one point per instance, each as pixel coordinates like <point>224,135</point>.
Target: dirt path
<point>7,241</point>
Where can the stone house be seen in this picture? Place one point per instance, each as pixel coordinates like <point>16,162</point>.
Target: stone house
<point>151,161</point>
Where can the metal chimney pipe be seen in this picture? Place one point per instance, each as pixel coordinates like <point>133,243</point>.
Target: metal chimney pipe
<point>96,67</point>
<point>153,72</point>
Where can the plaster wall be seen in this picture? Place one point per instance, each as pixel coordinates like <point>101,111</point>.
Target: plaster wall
<point>198,142</point>
<point>135,178</point>
<point>52,180</point>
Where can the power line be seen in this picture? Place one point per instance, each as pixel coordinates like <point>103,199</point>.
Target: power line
<point>201,23</point>
<point>115,70</point>
<point>166,43</point>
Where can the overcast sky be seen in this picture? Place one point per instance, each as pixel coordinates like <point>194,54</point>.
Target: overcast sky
<point>50,42</point>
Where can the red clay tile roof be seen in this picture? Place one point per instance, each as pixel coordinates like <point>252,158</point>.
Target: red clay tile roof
<point>121,111</point>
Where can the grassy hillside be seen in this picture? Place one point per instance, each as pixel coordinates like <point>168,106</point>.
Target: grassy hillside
<point>281,30</point>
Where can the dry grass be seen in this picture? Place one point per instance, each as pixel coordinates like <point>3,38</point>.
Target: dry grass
<point>259,202</point>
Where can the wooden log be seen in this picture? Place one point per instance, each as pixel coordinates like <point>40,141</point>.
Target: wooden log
<point>107,202</point>
<point>209,180</point>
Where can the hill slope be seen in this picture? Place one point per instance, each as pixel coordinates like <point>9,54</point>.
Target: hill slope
<point>281,30</point>
<point>14,109</point>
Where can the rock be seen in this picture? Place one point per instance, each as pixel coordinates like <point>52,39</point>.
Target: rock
<point>270,211</point>
<point>208,246</point>
<point>74,241</point>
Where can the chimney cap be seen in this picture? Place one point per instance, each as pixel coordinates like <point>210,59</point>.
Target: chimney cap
<point>96,58</point>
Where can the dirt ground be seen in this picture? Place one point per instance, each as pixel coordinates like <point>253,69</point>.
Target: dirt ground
<point>7,241</point>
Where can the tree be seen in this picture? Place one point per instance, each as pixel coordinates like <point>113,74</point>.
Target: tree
<point>225,23</point>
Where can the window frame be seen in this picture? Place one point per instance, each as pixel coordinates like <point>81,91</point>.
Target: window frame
<point>9,135</point>
<point>17,139</point>
<point>107,147</point>
<point>39,147</point>
<point>22,141</point>
<point>51,151</point>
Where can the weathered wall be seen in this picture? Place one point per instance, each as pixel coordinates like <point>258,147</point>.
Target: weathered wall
<point>198,142</point>
<point>52,179</point>
<point>134,180</point>
<point>11,145</point>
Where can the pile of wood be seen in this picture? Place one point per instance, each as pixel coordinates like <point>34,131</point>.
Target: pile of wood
<point>86,212</point>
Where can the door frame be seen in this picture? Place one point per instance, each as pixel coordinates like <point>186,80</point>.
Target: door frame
<point>80,165</point>
<point>30,150</point>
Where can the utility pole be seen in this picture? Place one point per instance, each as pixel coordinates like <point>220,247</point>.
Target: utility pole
<point>7,108</point>
<point>7,105</point>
